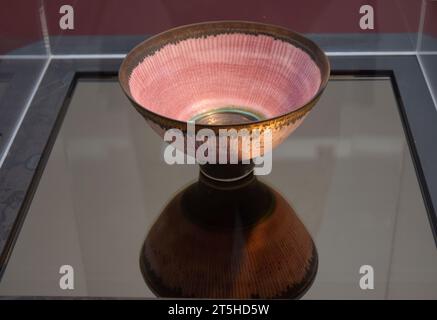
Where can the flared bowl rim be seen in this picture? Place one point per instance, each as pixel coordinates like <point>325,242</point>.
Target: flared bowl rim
<point>174,35</point>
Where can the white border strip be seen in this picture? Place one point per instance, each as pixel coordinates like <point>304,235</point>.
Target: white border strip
<point>23,112</point>
<point>123,55</point>
<point>23,56</point>
<point>369,53</point>
<point>89,56</point>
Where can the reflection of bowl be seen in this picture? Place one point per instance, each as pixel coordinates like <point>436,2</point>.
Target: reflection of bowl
<point>229,240</point>
<point>226,75</point>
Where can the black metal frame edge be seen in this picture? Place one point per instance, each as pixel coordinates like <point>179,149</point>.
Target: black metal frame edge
<point>73,70</point>
<point>21,76</point>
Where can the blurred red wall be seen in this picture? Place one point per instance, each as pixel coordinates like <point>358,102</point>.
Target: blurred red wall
<point>151,16</point>
<point>20,25</point>
<point>430,22</point>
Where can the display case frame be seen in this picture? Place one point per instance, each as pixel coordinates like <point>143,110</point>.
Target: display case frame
<point>28,155</point>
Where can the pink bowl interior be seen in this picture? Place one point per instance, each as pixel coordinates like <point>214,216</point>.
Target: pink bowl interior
<point>258,74</point>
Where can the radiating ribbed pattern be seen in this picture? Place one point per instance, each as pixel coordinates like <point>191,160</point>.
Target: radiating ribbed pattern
<point>269,77</point>
<point>274,258</point>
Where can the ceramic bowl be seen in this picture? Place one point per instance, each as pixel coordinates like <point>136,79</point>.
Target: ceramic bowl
<point>226,75</point>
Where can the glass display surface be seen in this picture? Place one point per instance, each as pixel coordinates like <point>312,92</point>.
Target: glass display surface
<point>347,172</point>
